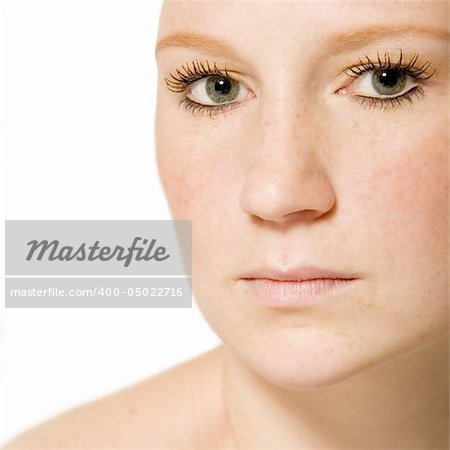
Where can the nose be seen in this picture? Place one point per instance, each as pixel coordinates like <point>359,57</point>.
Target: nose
<point>285,178</point>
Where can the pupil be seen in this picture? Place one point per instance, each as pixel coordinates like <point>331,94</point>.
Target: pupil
<point>389,78</point>
<point>222,86</point>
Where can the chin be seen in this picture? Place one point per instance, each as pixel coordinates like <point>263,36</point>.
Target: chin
<point>309,361</point>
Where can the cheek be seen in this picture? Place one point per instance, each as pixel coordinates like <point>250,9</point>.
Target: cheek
<point>406,193</point>
<point>194,178</point>
<point>188,164</point>
<point>402,212</point>
<point>198,175</point>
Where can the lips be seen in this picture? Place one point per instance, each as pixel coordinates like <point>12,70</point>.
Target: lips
<point>299,273</point>
<point>298,287</point>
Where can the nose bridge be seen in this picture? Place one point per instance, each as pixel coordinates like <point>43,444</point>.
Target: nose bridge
<point>286,102</point>
<point>287,113</point>
<point>284,123</point>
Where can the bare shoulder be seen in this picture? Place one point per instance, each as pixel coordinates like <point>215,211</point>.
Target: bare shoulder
<point>178,408</point>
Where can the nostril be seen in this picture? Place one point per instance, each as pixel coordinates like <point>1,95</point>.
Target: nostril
<point>283,197</point>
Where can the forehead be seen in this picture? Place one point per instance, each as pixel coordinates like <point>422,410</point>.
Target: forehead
<point>244,19</point>
<point>293,30</point>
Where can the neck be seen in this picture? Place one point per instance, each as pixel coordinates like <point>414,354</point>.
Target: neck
<point>400,404</point>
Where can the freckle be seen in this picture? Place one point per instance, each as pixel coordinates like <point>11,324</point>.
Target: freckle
<point>132,411</point>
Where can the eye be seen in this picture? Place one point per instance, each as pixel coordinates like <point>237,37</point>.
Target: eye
<point>216,90</point>
<point>382,83</point>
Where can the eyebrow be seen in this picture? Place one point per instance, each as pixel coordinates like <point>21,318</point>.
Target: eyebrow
<point>374,33</point>
<point>195,41</point>
<point>345,40</point>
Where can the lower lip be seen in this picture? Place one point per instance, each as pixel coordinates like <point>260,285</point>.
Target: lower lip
<point>278,294</point>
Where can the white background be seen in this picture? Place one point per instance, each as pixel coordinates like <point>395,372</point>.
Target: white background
<point>77,99</point>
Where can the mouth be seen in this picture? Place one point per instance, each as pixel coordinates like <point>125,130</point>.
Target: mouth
<point>297,287</point>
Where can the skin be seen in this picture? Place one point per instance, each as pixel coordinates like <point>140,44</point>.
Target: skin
<point>297,173</point>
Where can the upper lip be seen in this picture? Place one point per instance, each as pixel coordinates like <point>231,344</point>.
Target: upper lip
<point>299,273</point>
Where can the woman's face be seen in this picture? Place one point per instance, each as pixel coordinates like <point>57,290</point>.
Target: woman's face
<point>329,148</point>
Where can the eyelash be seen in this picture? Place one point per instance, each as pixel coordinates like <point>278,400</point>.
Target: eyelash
<point>418,73</point>
<point>181,81</point>
<point>185,77</point>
